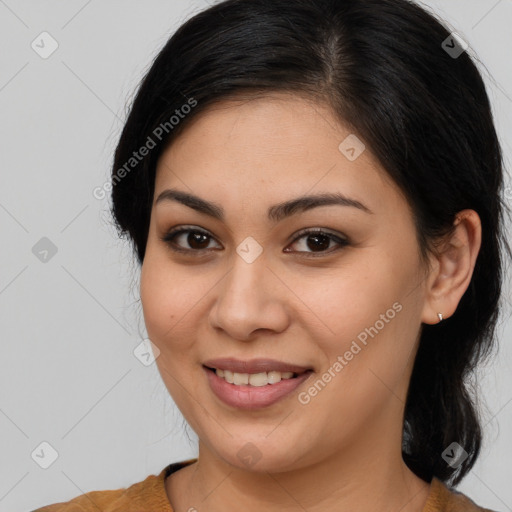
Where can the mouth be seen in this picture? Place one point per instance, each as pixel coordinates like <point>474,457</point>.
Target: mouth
<point>254,389</point>
<point>258,379</point>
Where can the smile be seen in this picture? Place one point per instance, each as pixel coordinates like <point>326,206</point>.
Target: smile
<point>253,379</point>
<point>253,390</point>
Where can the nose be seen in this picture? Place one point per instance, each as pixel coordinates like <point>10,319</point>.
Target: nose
<point>250,299</point>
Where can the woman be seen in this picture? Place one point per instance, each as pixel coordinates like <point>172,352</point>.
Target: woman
<point>312,189</point>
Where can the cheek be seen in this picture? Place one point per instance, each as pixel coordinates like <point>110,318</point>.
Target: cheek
<point>156,304</point>
<point>342,303</point>
<point>362,317</point>
<point>166,312</point>
<point>173,300</point>
<point>163,297</point>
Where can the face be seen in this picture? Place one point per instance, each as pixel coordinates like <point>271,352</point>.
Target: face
<point>335,288</point>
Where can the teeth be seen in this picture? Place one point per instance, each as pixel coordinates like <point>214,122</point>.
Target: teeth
<point>240,378</point>
<point>258,379</point>
<point>253,379</point>
<point>274,377</point>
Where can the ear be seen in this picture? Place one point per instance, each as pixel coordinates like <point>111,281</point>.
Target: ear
<point>452,268</point>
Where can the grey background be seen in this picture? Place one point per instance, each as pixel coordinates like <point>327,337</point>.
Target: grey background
<point>70,324</point>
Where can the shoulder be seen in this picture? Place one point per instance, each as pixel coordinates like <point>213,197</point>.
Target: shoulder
<point>447,499</point>
<point>150,492</point>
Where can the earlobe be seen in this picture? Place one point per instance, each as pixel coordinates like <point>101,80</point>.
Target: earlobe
<point>451,276</point>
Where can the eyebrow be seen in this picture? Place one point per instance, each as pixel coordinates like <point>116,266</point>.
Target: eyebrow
<point>275,213</point>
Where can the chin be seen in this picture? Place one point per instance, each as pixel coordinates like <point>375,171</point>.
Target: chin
<point>261,456</point>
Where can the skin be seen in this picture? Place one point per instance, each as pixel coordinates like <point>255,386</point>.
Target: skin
<point>342,450</point>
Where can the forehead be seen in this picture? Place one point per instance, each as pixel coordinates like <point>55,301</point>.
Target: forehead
<point>270,145</point>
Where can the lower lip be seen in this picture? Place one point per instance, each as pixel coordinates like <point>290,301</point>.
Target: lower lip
<point>253,397</point>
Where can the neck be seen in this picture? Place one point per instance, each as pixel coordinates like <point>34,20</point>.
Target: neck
<point>364,472</point>
<point>375,481</point>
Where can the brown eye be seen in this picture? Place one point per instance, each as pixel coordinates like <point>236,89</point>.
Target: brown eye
<point>197,240</point>
<point>317,241</point>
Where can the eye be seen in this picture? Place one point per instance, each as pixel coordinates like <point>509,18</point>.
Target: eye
<point>318,240</point>
<point>197,240</point>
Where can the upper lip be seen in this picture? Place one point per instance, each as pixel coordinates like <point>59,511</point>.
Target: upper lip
<point>254,365</point>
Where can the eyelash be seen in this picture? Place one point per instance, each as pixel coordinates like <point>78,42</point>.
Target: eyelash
<point>169,237</point>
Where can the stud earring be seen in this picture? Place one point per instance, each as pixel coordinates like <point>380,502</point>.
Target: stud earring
<point>440,316</point>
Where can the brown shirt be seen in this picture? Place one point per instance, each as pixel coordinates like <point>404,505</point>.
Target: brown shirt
<point>150,496</point>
